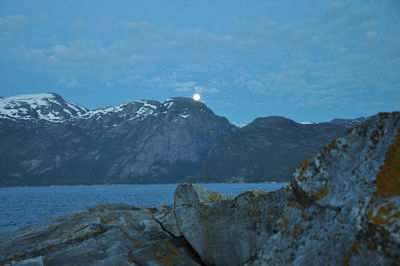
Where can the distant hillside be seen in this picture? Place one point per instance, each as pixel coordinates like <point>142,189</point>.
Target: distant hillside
<point>265,150</point>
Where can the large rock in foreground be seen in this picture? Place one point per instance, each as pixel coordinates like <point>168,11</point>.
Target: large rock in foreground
<point>223,230</point>
<point>343,207</point>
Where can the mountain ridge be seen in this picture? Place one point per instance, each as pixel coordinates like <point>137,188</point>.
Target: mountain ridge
<point>45,140</point>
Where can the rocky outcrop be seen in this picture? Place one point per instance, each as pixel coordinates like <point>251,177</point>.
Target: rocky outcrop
<point>223,230</point>
<point>342,207</point>
<point>103,235</point>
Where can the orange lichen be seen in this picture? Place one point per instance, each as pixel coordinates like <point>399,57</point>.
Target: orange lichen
<point>137,244</point>
<point>296,230</point>
<point>111,219</point>
<point>171,258</point>
<point>352,249</point>
<point>285,224</point>
<point>90,233</point>
<point>79,229</point>
<point>330,146</point>
<point>131,260</point>
<point>203,210</point>
<point>322,193</point>
<point>304,167</point>
<point>215,197</point>
<point>384,215</point>
<point>388,178</point>
<point>172,248</point>
<point>51,228</point>
<point>304,215</point>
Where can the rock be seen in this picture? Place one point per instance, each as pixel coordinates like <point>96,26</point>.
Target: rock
<point>223,230</point>
<point>346,208</point>
<point>165,216</point>
<point>104,235</point>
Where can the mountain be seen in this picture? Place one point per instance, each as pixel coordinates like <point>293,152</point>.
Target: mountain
<point>265,150</point>
<point>46,140</point>
<point>348,123</point>
<point>47,106</point>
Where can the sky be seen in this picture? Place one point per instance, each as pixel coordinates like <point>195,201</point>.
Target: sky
<point>306,60</point>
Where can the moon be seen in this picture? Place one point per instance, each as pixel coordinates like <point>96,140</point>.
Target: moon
<point>196,97</point>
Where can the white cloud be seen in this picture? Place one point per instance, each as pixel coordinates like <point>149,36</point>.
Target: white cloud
<point>13,21</point>
<point>69,82</point>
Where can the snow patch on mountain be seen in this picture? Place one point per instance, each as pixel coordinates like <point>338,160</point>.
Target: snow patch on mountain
<point>147,104</point>
<point>103,111</point>
<point>307,123</point>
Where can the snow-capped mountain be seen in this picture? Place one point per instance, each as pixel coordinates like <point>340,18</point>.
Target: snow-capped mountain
<point>46,106</point>
<point>46,140</point>
<point>137,142</point>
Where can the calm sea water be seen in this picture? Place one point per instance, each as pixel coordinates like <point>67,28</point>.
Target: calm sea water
<point>21,206</point>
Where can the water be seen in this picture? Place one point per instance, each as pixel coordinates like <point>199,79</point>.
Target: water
<point>21,206</point>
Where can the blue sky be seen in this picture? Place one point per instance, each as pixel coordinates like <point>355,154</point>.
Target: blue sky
<point>306,60</point>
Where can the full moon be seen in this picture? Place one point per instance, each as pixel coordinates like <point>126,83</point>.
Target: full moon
<point>196,97</point>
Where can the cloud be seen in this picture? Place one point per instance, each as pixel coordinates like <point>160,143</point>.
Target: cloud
<point>317,55</point>
<point>183,86</point>
<point>69,82</point>
<point>79,24</point>
<point>205,90</point>
<point>191,86</point>
<point>255,86</point>
<point>13,21</point>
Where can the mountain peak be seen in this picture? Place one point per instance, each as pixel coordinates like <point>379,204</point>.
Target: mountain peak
<point>50,107</point>
<point>347,123</point>
<point>271,121</point>
<point>34,98</point>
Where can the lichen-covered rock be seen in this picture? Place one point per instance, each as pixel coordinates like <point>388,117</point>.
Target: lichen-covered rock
<point>165,216</point>
<point>103,235</point>
<point>347,203</point>
<point>223,230</point>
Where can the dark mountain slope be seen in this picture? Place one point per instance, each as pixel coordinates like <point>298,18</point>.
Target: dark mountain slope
<point>265,150</point>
